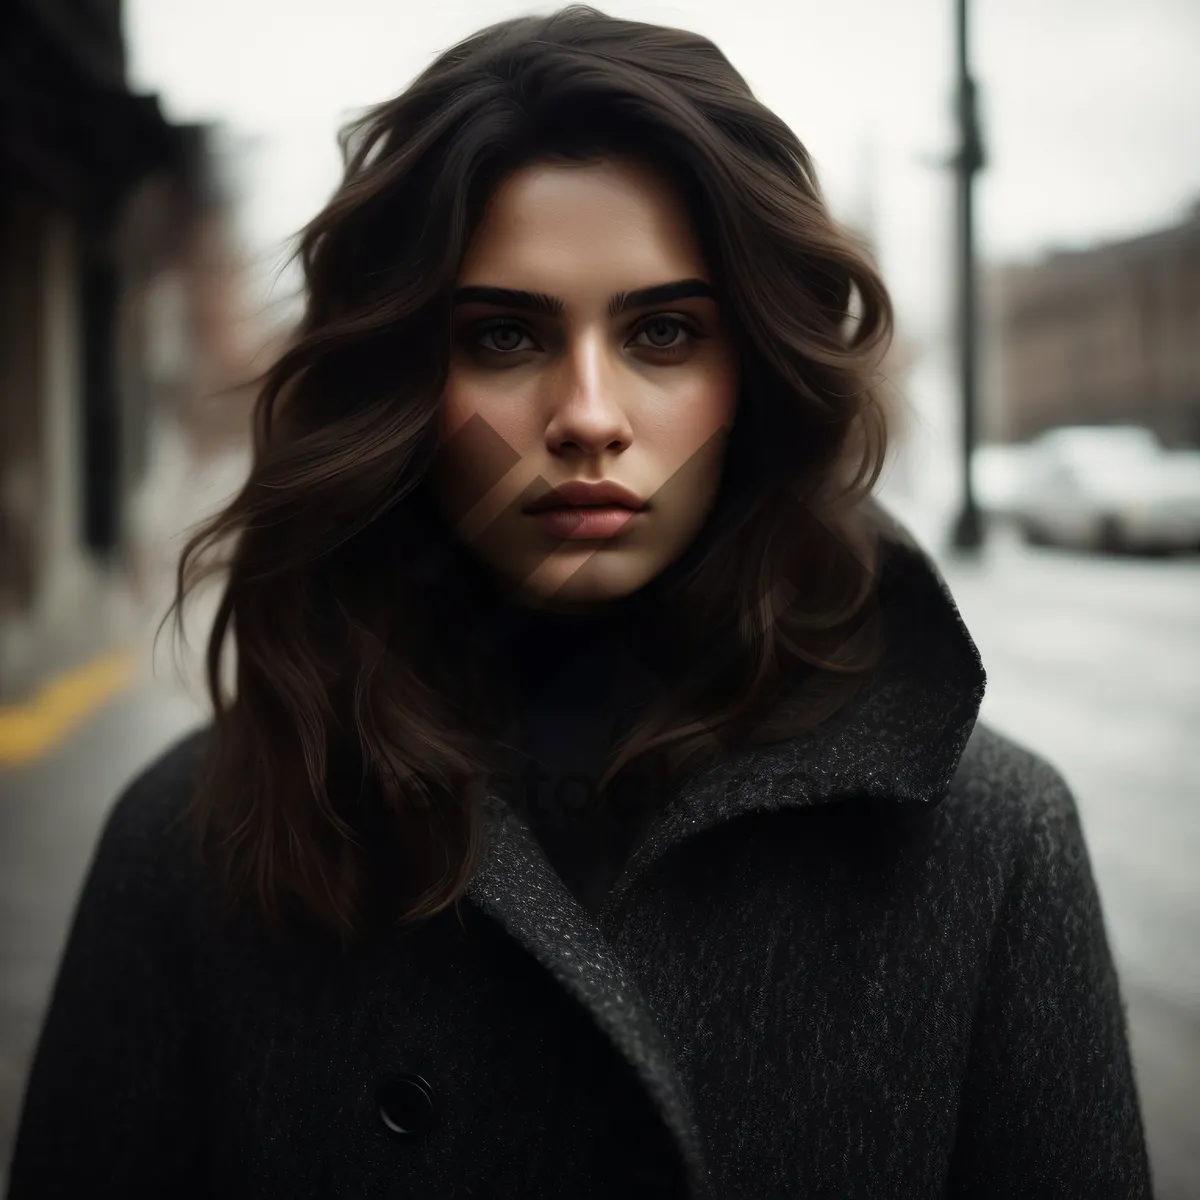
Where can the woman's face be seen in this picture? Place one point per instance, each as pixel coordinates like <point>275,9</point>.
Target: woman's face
<point>588,347</point>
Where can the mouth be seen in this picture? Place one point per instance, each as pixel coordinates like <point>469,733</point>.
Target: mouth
<point>579,522</point>
<point>579,511</point>
<point>578,496</point>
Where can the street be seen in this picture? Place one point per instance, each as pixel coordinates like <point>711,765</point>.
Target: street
<point>1095,664</point>
<point>1092,663</point>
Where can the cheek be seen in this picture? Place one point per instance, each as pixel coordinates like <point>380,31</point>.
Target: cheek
<point>506,416</point>
<point>696,416</point>
<point>480,437</point>
<point>712,410</point>
<point>457,408</point>
<point>483,440</point>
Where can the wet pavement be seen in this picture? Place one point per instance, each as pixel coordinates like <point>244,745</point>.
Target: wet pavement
<point>1093,663</point>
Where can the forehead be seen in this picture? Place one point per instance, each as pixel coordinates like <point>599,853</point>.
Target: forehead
<point>567,228</point>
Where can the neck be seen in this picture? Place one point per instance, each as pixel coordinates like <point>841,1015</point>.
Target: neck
<point>573,651</point>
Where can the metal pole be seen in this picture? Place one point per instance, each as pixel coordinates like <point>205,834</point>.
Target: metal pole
<point>968,528</point>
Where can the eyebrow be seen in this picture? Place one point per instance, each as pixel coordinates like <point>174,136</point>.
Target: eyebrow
<point>552,306</point>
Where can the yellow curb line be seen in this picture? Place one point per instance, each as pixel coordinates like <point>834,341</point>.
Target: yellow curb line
<point>30,730</point>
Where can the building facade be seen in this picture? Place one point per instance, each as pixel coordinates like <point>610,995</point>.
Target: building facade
<point>1109,335</point>
<point>113,274</point>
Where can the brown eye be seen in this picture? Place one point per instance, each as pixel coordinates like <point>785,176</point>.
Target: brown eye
<point>662,332</point>
<point>501,338</point>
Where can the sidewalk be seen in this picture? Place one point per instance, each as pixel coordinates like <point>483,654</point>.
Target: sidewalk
<point>96,611</point>
<point>92,615</point>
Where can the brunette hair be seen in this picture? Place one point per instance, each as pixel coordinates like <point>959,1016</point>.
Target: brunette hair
<point>351,749</point>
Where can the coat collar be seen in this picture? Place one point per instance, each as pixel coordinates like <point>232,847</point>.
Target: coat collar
<point>898,741</point>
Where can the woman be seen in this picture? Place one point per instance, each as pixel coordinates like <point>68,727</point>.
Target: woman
<point>602,808</point>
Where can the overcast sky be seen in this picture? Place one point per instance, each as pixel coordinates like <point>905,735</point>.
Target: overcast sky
<point>1091,108</point>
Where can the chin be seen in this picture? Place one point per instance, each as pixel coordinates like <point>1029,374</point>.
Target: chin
<point>592,577</point>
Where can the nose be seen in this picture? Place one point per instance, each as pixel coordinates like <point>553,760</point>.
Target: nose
<point>590,412</point>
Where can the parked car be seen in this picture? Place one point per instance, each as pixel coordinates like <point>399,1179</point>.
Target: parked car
<point>1109,488</point>
<point>997,474</point>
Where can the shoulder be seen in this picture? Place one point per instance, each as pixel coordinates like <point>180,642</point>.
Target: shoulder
<point>150,803</point>
<point>1012,780</point>
<point>144,846</point>
<point>1014,802</point>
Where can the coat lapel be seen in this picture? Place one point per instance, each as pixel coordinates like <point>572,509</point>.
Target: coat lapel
<point>899,740</point>
<point>516,886</point>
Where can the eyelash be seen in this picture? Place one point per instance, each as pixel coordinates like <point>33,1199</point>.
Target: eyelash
<point>693,334</point>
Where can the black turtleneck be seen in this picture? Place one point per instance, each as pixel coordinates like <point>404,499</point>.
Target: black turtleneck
<point>575,683</point>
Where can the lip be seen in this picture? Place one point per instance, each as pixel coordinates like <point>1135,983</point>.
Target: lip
<point>576,494</point>
<point>589,523</point>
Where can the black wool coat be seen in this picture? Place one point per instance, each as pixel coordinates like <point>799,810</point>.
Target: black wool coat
<point>870,963</point>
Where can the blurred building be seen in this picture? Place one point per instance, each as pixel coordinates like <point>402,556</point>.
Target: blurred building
<point>119,290</point>
<point>1099,336</point>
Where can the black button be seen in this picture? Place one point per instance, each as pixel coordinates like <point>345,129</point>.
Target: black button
<point>406,1104</point>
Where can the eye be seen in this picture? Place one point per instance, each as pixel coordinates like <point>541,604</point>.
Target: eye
<point>663,333</point>
<point>504,338</point>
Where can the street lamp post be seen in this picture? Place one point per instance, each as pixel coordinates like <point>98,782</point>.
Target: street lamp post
<point>968,527</point>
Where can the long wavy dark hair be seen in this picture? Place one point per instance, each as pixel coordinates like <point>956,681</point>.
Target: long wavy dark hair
<point>352,746</point>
